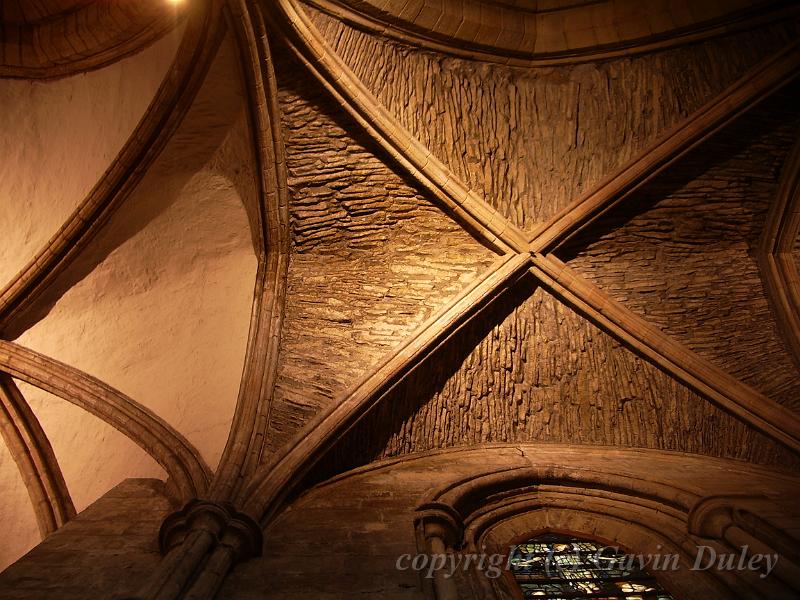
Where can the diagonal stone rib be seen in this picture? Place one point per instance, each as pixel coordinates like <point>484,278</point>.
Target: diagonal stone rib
<point>778,266</point>
<point>756,85</point>
<point>275,480</point>
<point>35,458</point>
<point>721,388</point>
<point>245,439</point>
<point>187,472</point>
<point>203,33</point>
<point>320,59</point>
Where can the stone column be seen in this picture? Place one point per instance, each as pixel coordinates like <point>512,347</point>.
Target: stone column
<point>723,518</point>
<point>201,543</point>
<point>441,531</point>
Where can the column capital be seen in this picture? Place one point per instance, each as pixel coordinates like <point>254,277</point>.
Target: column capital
<point>227,525</point>
<point>435,519</point>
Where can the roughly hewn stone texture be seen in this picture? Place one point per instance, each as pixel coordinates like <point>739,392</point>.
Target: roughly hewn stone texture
<point>106,551</point>
<point>164,316</point>
<point>682,252</point>
<point>20,530</point>
<point>372,258</point>
<point>59,137</point>
<point>540,372</point>
<point>531,140</point>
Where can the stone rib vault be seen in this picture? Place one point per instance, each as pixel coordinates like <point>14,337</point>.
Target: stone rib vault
<point>294,287</point>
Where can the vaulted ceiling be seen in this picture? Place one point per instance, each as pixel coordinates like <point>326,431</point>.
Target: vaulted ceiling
<point>267,243</point>
<point>47,38</point>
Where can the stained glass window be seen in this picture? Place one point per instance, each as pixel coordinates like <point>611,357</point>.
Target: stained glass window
<point>558,567</point>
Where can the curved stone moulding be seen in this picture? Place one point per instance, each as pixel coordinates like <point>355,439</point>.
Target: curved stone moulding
<point>43,123</point>
<point>101,33</point>
<point>188,474</point>
<point>631,497</point>
<point>468,496</point>
<point>775,254</point>
<point>243,449</point>
<point>531,36</point>
<point>21,301</point>
<point>38,466</point>
<point>497,506</point>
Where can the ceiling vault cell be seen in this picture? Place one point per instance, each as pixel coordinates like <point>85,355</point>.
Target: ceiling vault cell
<point>335,76</point>
<point>532,140</point>
<point>29,295</point>
<point>760,82</point>
<point>366,267</point>
<point>532,368</point>
<point>682,251</point>
<point>43,122</point>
